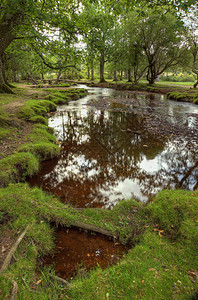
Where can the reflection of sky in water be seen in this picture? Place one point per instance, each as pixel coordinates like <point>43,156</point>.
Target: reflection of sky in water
<point>100,152</point>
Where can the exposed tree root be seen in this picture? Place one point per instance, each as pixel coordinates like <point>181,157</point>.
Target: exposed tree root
<point>93,228</point>
<point>14,290</point>
<point>61,280</point>
<point>8,258</point>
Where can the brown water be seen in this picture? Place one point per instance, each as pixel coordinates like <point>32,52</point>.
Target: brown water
<point>112,151</point>
<point>77,252</point>
<point>115,145</point>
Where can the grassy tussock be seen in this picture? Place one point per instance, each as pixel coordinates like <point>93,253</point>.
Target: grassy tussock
<point>42,151</point>
<point>17,167</point>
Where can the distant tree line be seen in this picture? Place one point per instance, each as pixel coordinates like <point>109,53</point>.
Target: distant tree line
<point>135,38</point>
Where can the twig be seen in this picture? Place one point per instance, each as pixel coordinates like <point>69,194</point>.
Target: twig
<point>8,258</point>
<point>61,280</point>
<point>14,290</point>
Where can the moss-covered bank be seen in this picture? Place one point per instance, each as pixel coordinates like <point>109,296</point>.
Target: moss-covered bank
<point>160,265</point>
<point>39,144</point>
<point>163,234</point>
<point>172,92</point>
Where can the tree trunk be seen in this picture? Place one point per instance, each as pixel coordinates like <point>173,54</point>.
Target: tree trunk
<point>121,75</point>
<point>88,73</point>
<point>151,76</point>
<point>195,85</point>
<point>92,71</point>
<point>115,75</point>
<point>15,76</point>
<point>58,76</point>
<point>4,88</point>
<point>102,62</point>
<point>31,78</point>
<point>129,76</point>
<point>125,74</point>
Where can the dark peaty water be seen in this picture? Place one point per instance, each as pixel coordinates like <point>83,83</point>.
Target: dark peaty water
<point>77,252</point>
<point>117,145</point>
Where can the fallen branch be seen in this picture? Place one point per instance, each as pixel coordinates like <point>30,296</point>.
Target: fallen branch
<point>61,280</point>
<point>94,228</point>
<point>14,290</point>
<point>8,258</point>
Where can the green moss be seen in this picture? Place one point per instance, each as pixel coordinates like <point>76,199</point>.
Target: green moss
<point>43,151</point>
<point>41,135</point>
<point>153,269</point>
<point>35,107</point>
<point>33,206</point>
<point>4,133</point>
<point>195,101</point>
<point>25,112</point>
<point>39,119</point>
<point>44,127</point>
<point>171,211</point>
<point>17,167</point>
<point>61,85</point>
<point>154,266</point>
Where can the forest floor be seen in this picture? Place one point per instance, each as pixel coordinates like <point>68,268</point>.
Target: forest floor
<point>161,263</point>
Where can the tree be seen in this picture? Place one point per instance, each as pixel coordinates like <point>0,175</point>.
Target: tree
<point>192,42</point>
<point>30,20</point>
<point>161,34</point>
<point>97,22</point>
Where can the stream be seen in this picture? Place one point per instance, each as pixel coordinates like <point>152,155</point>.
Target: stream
<point>116,145</point>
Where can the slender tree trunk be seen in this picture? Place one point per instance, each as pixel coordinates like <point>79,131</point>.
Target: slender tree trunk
<point>129,75</point>
<point>31,78</point>
<point>15,76</point>
<point>196,83</point>
<point>58,76</point>
<point>88,73</point>
<point>43,77</point>
<point>4,88</point>
<point>125,74</point>
<point>115,75</point>
<point>102,62</point>
<point>92,71</point>
<point>121,75</point>
<point>151,75</point>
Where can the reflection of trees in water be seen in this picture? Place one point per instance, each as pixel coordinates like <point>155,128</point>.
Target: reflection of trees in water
<point>100,150</point>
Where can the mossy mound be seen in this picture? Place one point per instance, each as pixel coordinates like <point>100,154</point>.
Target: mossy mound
<point>17,167</point>
<point>174,212</point>
<point>35,108</point>
<point>43,151</point>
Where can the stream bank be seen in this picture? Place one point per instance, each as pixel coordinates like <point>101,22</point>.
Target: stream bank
<point>163,234</point>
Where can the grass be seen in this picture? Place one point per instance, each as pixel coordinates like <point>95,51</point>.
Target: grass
<point>42,151</point>
<point>163,236</point>
<point>178,83</point>
<point>160,265</point>
<point>17,167</point>
<point>189,95</point>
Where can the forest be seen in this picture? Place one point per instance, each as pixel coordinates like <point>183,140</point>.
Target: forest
<point>86,39</point>
<point>98,149</point>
